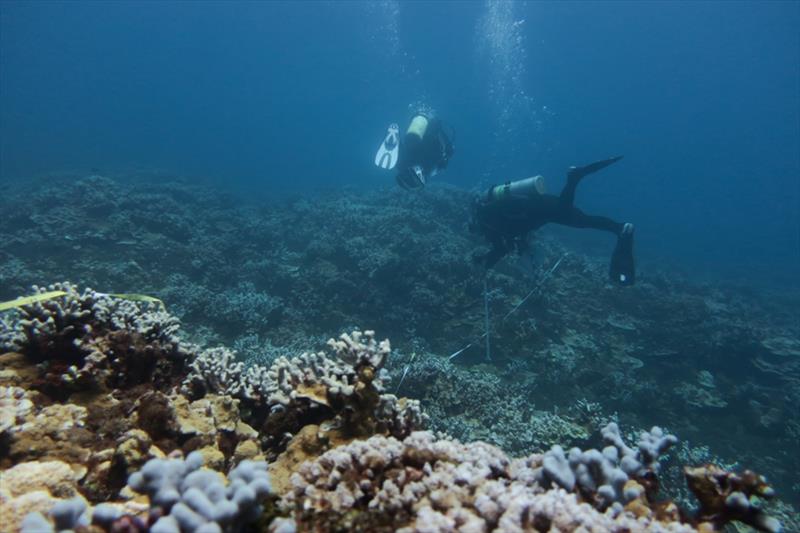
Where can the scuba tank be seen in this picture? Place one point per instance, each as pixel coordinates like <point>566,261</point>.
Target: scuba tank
<point>524,188</point>
<point>418,126</point>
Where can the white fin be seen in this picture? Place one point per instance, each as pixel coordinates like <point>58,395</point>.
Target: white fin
<point>387,153</point>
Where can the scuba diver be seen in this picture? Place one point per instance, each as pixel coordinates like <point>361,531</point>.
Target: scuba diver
<point>423,152</point>
<point>508,212</point>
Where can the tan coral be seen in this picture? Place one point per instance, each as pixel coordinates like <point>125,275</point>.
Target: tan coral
<point>726,496</point>
<point>193,418</point>
<point>134,449</point>
<point>225,411</point>
<point>247,449</point>
<point>638,506</point>
<point>316,392</point>
<point>213,458</point>
<point>13,509</point>
<point>245,431</point>
<point>306,445</point>
<point>55,432</point>
<point>206,416</point>
<point>56,477</point>
<point>16,370</point>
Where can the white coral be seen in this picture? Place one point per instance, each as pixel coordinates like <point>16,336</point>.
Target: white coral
<point>14,408</point>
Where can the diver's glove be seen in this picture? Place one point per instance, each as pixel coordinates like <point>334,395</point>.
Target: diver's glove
<point>622,270</point>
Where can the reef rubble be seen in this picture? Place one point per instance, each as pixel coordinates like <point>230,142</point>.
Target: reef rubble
<point>109,421</point>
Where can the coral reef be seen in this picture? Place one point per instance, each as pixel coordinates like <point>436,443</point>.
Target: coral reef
<point>716,364</point>
<point>349,454</point>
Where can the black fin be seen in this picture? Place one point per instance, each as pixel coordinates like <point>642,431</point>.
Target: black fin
<point>623,271</point>
<point>579,172</point>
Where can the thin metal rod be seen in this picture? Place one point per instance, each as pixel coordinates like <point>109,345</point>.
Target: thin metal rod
<point>486,317</point>
<point>536,287</point>
<point>470,345</point>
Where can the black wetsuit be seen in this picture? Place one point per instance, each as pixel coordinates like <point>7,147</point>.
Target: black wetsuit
<point>431,154</point>
<point>506,223</point>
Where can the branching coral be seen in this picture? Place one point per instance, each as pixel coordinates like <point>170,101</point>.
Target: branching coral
<point>346,389</point>
<point>725,496</point>
<point>617,474</point>
<point>92,339</point>
<point>421,484</point>
<point>188,498</point>
<point>183,497</point>
<point>424,484</point>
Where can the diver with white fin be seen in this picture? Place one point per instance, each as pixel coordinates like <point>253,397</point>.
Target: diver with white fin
<point>424,150</point>
<point>386,157</point>
<point>508,212</point>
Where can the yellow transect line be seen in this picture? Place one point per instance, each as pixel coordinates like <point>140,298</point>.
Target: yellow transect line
<point>27,300</point>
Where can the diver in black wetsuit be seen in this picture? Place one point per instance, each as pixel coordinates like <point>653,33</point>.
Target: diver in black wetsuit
<point>508,212</point>
<point>424,151</point>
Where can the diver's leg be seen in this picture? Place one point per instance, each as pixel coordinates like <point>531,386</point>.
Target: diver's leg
<point>622,270</point>
<point>567,197</point>
<point>574,176</point>
<point>575,218</point>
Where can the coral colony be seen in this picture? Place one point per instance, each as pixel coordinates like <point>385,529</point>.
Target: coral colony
<point>211,402</point>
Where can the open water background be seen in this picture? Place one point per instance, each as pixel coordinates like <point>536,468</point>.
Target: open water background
<point>277,98</point>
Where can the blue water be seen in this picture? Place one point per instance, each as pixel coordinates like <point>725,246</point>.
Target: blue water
<point>703,99</point>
